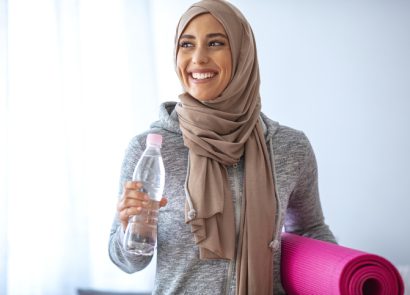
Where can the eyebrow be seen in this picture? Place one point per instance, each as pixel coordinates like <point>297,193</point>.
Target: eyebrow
<point>211,35</point>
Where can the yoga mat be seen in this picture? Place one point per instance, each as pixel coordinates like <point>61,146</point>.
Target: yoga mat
<point>316,267</point>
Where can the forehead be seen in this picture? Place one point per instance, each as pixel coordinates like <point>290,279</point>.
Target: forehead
<point>204,23</point>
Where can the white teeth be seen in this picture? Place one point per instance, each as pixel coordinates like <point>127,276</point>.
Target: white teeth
<point>201,76</point>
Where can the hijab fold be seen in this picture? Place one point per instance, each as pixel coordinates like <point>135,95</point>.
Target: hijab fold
<point>218,133</point>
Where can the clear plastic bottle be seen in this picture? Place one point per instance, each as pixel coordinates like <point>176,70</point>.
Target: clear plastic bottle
<point>141,234</point>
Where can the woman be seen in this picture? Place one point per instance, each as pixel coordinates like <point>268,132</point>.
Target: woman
<point>234,178</point>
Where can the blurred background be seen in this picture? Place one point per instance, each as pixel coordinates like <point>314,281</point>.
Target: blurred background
<point>79,78</point>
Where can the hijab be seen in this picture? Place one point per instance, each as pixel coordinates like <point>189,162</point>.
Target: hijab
<point>218,133</point>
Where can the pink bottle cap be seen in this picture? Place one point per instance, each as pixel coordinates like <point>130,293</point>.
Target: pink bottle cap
<point>155,139</point>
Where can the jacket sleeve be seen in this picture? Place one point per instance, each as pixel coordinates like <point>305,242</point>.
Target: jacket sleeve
<point>304,213</point>
<point>127,262</point>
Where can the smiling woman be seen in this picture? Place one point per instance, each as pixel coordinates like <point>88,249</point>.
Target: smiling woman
<point>234,177</point>
<point>204,61</point>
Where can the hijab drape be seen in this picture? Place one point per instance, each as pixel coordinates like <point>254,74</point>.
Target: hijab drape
<point>218,133</point>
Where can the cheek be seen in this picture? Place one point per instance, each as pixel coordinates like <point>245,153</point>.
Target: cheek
<point>180,67</point>
<point>228,73</point>
<point>226,62</point>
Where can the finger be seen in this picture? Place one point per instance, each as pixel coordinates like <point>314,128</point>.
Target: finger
<point>132,202</point>
<point>134,194</point>
<point>126,213</point>
<point>132,185</point>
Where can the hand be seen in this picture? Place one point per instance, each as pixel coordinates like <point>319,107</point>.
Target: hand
<point>133,201</point>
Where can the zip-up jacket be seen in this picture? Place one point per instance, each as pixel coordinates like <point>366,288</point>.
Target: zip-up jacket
<point>179,269</point>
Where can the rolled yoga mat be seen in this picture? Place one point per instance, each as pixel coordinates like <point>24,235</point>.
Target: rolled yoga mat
<point>316,267</point>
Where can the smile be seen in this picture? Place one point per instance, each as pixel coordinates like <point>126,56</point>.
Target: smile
<point>203,76</point>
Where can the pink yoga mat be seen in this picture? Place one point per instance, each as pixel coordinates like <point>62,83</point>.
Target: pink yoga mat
<point>311,266</point>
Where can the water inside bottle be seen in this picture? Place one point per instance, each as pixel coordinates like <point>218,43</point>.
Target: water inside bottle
<point>141,234</point>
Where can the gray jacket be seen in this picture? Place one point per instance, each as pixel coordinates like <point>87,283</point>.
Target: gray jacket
<point>179,270</point>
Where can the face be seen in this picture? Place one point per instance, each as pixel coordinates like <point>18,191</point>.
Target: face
<point>204,61</point>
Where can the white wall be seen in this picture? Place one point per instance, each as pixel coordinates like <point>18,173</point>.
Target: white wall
<point>339,71</point>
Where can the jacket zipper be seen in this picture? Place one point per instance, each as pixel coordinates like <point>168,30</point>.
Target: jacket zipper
<point>275,240</point>
<point>238,216</point>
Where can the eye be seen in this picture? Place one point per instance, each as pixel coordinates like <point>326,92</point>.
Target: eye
<point>216,43</point>
<point>185,44</point>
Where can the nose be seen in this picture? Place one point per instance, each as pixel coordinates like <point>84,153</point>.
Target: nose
<point>200,55</point>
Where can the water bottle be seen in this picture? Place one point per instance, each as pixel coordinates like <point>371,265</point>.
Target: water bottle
<point>141,234</point>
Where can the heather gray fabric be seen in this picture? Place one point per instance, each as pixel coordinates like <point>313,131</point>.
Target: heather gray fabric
<point>179,269</point>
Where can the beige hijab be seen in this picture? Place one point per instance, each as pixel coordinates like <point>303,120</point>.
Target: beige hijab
<point>218,133</point>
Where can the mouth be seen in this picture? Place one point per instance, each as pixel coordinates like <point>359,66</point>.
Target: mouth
<point>202,76</point>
